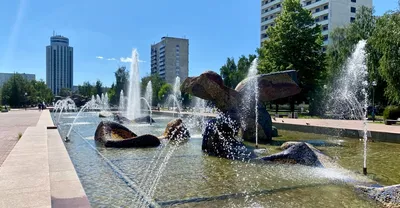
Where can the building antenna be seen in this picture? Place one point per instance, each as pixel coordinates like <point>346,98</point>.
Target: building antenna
<point>54,32</point>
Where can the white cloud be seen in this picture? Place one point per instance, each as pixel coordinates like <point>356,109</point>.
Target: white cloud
<point>129,60</point>
<point>126,60</point>
<point>99,57</point>
<point>111,59</point>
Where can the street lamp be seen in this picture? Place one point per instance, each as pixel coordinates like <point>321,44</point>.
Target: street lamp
<point>26,99</point>
<point>373,100</point>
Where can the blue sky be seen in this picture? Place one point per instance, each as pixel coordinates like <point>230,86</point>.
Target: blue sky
<point>216,29</point>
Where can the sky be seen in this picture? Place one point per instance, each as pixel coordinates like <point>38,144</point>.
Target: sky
<point>103,33</point>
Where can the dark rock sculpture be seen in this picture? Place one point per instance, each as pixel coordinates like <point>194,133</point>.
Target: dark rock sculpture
<point>210,86</point>
<point>113,134</point>
<point>116,135</point>
<point>388,196</point>
<point>219,140</point>
<point>301,153</point>
<point>122,119</point>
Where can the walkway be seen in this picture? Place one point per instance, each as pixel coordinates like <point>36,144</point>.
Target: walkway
<point>11,124</point>
<point>38,171</point>
<point>345,128</point>
<point>341,124</point>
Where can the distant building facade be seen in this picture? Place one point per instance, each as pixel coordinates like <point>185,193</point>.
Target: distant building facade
<point>59,64</point>
<point>4,77</point>
<point>330,14</point>
<point>170,58</point>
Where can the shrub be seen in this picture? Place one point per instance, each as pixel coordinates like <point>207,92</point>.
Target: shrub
<point>391,113</point>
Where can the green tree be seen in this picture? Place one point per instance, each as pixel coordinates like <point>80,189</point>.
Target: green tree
<point>386,41</point>
<point>65,92</point>
<point>18,91</point>
<point>165,90</point>
<point>121,83</point>
<point>157,82</point>
<point>343,40</point>
<point>15,91</point>
<point>295,42</point>
<point>233,73</point>
<point>99,87</point>
<point>86,89</point>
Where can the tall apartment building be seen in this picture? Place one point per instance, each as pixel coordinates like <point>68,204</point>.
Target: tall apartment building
<point>327,13</point>
<point>170,58</point>
<point>59,64</point>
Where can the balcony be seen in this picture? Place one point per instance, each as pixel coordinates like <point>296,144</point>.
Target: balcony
<point>321,13</point>
<point>314,4</point>
<point>276,10</point>
<point>272,3</point>
<point>268,21</point>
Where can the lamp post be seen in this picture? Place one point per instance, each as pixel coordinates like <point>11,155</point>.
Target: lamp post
<point>373,100</point>
<point>26,99</point>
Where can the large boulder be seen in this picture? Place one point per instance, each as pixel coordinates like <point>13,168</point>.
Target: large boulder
<point>210,86</point>
<point>122,119</point>
<point>144,119</point>
<point>113,134</point>
<point>219,140</point>
<point>388,196</point>
<point>264,124</point>
<point>105,114</point>
<point>301,153</point>
<point>272,86</point>
<point>176,130</point>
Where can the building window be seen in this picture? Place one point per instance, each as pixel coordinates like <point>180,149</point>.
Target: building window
<point>317,19</point>
<point>354,1</point>
<point>326,6</point>
<point>352,19</point>
<point>324,28</point>
<point>308,3</point>
<point>325,17</point>
<point>278,5</point>
<point>325,38</point>
<point>317,10</point>
<point>353,10</point>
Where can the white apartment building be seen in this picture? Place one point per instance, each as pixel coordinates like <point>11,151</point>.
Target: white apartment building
<point>327,13</point>
<point>59,64</point>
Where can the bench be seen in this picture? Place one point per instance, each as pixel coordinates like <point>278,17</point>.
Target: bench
<point>390,121</point>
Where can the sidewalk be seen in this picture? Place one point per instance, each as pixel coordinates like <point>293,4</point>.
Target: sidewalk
<point>11,124</point>
<point>38,171</point>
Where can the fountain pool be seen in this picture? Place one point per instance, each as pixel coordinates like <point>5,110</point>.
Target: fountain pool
<point>193,179</point>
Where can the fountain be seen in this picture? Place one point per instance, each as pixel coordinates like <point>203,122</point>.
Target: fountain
<point>66,104</point>
<point>149,92</point>
<point>133,108</point>
<point>176,96</point>
<point>350,97</point>
<point>88,105</point>
<point>250,99</point>
<point>121,106</point>
<point>149,107</point>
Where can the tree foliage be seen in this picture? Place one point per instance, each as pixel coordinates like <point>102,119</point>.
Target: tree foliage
<point>344,39</point>
<point>99,87</point>
<point>233,73</point>
<point>156,83</point>
<point>86,89</point>
<point>121,83</point>
<point>295,42</point>
<point>65,92</point>
<point>386,41</point>
<point>18,91</point>
<point>164,91</point>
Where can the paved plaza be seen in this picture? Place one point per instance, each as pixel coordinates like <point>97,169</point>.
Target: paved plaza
<point>36,170</point>
<point>11,124</point>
